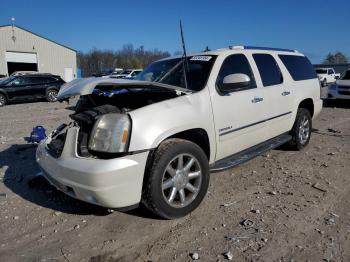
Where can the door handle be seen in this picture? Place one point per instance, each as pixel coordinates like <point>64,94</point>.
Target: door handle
<point>285,93</point>
<point>257,99</point>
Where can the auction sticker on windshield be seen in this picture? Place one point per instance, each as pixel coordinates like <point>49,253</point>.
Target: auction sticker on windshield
<point>200,58</point>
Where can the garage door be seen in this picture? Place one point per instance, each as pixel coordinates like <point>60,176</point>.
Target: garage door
<point>17,57</point>
<point>17,61</point>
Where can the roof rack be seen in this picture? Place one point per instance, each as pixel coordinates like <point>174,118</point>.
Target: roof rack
<point>262,48</point>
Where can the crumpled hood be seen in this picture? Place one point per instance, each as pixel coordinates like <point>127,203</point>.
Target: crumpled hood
<point>85,86</point>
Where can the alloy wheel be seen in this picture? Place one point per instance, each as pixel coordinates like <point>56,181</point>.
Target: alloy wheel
<point>304,130</point>
<point>182,180</point>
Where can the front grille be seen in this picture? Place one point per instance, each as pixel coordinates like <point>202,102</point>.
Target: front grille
<point>344,87</point>
<point>345,93</point>
<point>56,145</point>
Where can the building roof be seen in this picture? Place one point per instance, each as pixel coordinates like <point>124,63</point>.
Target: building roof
<point>39,36</point>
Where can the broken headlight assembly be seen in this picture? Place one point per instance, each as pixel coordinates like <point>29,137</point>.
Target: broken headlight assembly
<point>111,133</point>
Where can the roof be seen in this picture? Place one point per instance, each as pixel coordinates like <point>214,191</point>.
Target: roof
<point>230,49</point>
<point>39,36</point>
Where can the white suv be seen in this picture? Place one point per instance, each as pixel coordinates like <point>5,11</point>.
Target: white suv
<point>327,75</point>
<point>341,89</point>
<point>156,141</point>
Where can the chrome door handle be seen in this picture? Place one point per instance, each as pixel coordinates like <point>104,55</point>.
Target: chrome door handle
<point>285,93</point>
<point>257,99</point>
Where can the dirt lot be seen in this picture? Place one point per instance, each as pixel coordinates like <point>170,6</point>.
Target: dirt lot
<point>296,205</point>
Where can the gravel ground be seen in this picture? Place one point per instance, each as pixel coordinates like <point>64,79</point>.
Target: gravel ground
<point>283,206</point>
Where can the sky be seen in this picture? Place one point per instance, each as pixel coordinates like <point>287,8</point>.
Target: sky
<point>314,28</point>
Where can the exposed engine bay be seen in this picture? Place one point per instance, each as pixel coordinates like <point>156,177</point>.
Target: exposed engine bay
<point>105,100</point>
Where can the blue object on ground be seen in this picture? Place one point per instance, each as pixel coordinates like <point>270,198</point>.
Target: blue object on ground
<point>37,134</point>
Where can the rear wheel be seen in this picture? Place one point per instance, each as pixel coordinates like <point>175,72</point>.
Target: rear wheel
<point>301,131</point>
<point>3,100</point>
<point>51,95</point>
<point>178,179</point>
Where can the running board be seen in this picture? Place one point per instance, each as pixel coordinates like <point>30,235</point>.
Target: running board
<point>249,153</point>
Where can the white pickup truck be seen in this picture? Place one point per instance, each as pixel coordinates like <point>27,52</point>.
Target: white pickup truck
<point>156,139</point>
<point>327,75</point>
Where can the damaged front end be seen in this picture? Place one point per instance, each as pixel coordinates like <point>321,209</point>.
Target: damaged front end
<point>101,114</point>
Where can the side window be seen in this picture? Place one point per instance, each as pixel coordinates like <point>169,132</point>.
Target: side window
<point>21,81</point>
<point>330,71</point>
<point>235,64</point>
<point>269,71</point>
<point>299,67</point>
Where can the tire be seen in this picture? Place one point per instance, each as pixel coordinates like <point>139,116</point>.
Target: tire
<point>51,95</point>
<point>167,192</point>
<point>301,131</point>
<point>3,100</point>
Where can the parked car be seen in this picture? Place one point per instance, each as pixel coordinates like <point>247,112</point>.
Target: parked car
<point>30,86</point>
<point>104,73</point>
<point>327,75</point>
<point>156,142</point>
<point>341,89</point>
<point>129,73</point>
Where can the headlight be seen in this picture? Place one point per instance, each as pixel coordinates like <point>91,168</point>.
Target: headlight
<point>111,133</point>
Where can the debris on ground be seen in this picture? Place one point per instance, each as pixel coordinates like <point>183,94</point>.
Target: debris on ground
<point>247,223</point>
<point>331,130</point>
<point>228,255</point>
<point>194,256</point>
<point>319,187</point>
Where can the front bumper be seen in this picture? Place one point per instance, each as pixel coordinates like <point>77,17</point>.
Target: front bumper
<point>113,183</point>
<point>334,94</point>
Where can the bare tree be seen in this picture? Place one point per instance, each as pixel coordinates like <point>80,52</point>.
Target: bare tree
<point>336,58</point>
<point>128,57</point>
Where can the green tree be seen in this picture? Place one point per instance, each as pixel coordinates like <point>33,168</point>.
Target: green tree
<point>336,58</point>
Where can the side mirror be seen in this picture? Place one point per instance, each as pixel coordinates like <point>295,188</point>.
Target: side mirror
<point>235,82</point>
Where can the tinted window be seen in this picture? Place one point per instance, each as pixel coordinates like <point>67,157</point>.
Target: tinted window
<point>299,67</point>
<point>235,64</point>
<point>321,71</point>
<point>346,75</point>
<point>269,71</point>
<point>330,71</point>
<point>170,72</point>
<point>20,81</point>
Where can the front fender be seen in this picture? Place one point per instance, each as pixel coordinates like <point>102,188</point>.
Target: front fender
<point>154,123</point>
<point>2,91</point>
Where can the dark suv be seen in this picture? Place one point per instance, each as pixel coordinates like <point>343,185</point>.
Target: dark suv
<point>30,86</point>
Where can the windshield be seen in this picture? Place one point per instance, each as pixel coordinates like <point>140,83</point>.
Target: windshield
<point>346,75</point>
<point>8,80</point>
<point>170,72</point>
<point>321,71</point>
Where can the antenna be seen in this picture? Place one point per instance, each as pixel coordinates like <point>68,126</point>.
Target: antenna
<point>184,57</point>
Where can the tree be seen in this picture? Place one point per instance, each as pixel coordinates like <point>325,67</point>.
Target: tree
<point>97,60</point>
<point>336,58</point>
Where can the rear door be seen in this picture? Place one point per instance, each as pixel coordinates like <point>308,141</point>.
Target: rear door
<point>238,114</point>
<point>277,93</point>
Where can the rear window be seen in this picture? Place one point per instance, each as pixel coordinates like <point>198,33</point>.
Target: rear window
<point>299,67</point>
<point>269,71</point>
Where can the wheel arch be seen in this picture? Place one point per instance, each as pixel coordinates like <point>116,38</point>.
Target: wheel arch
<point>308,104</point>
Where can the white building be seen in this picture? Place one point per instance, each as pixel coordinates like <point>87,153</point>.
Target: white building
<point>22,50</point>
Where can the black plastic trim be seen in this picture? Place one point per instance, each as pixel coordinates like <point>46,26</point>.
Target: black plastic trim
<point>253,124</point>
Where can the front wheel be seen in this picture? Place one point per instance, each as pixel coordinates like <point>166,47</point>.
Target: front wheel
<point>51,95</point>
<point>3,100</point>
<point>178,179</point>
<point>301,131</point>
